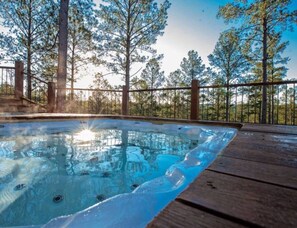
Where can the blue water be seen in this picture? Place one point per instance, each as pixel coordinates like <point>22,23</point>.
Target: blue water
<point>49,169</point>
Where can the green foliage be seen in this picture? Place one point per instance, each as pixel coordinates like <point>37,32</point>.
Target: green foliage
<point>81,20</point>
<point>100,82</point>
<point>192,68</point>
<point>261,20</point>
<point>261,25</point>
<point>30,32</point>
<point>228,59</point>
<point>151,78</point>
<point>6,88</point>
<point>29,24</point>
<point>102,101</point>
<point>276,63</point>
<point>175,79</point>
<point>152,73</point>
<point>127,30</point>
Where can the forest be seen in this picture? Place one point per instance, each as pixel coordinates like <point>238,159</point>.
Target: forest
<point>245,82</point>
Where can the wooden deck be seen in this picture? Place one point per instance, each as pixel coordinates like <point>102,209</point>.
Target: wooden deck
<point>252,183</point>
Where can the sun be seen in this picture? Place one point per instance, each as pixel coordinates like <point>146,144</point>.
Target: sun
<point>85,135</point>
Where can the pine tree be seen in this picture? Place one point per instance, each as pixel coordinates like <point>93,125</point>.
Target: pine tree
<point>127,30</point>
<point>176,97</point>
<point>29,31</point>
<point>154,78</point>
<point>80,41</point>
<point>100,99</point>
<point>175,79</point>
<point>193,68</point>
<point>260,20</point>
<point>152,73</point>
<point>229,60</point>
<point>276,69</point>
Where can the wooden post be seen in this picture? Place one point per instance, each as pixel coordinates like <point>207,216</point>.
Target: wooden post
<point>194,100</point>
<point>19,79</point>
<point>125,101</point>
<point>51,93</point>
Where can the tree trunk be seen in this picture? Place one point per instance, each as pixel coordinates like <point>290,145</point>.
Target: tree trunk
<point>152,99</point>
<point>62,55</point>
<point>264,67</point>
<point>128,63</point>
<point>72,70</point>
<point>29,84</point>
<point>124,146</point>
<point>29,53</point>
<point>127,76</point>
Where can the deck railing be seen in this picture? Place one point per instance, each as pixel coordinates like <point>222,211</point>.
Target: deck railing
<point>166,102</point>
<point>13,83</point>
<point>96,101</point>
<point>11,79</point>
<point>245,101</point>
<point>234,103</point>
<point>39,93</point>
<point>7,82</point>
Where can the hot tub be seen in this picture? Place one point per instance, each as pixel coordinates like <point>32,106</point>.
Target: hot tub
<point>99,172</point>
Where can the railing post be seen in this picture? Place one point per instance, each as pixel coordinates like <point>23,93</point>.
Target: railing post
<point>194,100</point>
<point>125,101</point>
<point>19,79</point>
<point>51,93</point>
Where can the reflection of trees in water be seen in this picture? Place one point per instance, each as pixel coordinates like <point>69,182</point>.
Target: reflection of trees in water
<point>124,145</point>
<point>107,153</point>
<point>111,146</point>
<point>117,161</point>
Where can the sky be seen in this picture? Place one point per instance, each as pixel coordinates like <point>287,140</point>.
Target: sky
<point>192,25</point>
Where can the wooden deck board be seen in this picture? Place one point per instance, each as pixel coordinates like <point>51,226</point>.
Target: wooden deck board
<point>256,148</point>
<point>268,137</point>
<point>279,175</point>
<point>271,140</point>
<point>258,203</point>
<point>256,155</point>
<point>279,129</point>
<point>180,215</point>
<point>253,182</point>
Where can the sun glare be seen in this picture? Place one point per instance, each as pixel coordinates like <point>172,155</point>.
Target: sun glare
<point>85,135</point>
